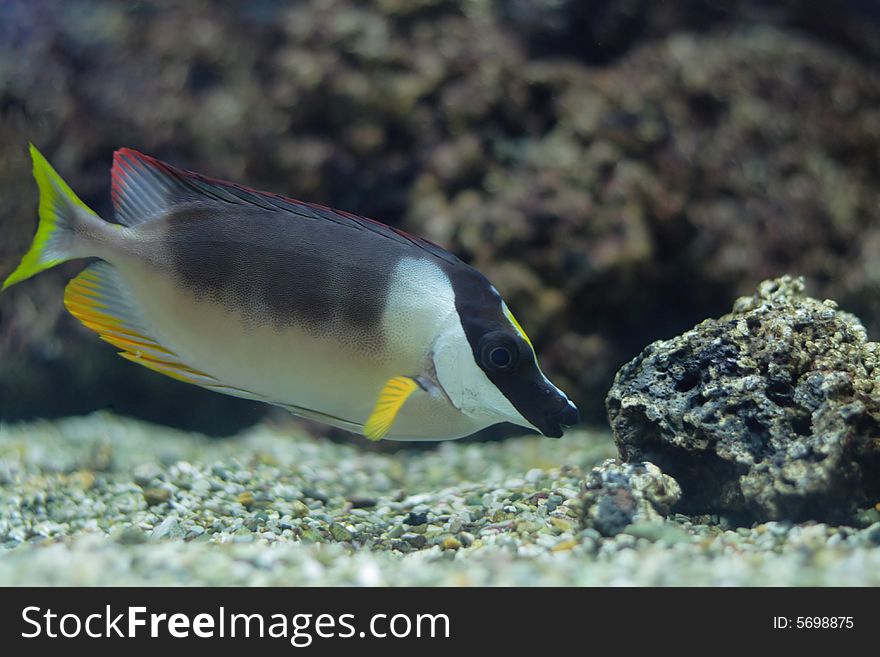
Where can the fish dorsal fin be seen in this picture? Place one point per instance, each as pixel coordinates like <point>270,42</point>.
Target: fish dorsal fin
<point>144,188</point>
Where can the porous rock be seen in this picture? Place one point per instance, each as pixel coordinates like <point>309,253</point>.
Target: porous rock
<point>770,412</point>
<point>618,494</point>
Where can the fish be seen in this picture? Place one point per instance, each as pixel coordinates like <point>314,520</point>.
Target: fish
<point>330,315</point>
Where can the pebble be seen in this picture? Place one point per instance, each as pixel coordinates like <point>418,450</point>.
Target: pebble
<point>201,486</point>
<point>298,509</point>
<point>564,545</point>
<point>246,499</point>
<point>285,508</point>
<point>312,536</point>
<point>414,518</point>
<point>340,533</point>
<point>130,536</point>
<point>155,496</point>
<point>195,531</point>
<point>144,473</point>
<point>165,528</point>
<point>314,494</point>
<point>450,543</point>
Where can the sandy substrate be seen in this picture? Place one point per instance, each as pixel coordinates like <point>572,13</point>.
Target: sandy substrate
<point>104,500</point>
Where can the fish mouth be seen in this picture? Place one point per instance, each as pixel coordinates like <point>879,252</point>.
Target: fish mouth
<point>555,424</point>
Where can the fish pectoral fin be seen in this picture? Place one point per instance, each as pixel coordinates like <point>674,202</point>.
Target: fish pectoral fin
<point>394,394</point>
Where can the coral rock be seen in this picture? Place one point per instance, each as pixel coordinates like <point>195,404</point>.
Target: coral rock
<point>619,494</point>
<point>771,411</point>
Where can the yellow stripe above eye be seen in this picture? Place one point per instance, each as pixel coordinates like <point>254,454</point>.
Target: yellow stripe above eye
<point>513,321</point>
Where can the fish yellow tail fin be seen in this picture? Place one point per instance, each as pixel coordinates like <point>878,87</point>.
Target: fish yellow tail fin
<point>60,211</point>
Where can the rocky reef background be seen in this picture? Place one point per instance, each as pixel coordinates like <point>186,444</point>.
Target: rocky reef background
<point>620,170</point>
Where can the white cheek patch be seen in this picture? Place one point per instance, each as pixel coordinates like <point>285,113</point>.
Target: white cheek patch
<point>467,386</point>
<point>487,400</point>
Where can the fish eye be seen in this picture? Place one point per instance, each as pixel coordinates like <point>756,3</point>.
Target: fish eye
<point>500,357</point>
<point>498,351</point>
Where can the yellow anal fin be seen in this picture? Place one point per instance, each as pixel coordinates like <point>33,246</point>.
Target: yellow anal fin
<point>392,398</point>
<point>173,370</point>
<point>99,300</point>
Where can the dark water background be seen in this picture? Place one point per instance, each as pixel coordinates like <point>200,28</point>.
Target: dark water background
<point>620,170</point>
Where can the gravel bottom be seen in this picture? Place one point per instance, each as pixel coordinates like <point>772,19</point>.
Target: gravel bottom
<point>104,500</point>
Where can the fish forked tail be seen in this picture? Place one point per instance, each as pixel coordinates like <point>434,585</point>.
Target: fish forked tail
<point>61,215</point>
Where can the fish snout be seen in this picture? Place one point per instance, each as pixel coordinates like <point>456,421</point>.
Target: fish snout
<point>568,416</point>
<point>556,422</point>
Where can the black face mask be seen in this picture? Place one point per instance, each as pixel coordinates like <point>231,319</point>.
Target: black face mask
<point>507,359</point>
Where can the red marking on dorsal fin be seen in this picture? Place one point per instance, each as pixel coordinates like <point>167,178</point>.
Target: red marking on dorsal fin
<point>145,188</point>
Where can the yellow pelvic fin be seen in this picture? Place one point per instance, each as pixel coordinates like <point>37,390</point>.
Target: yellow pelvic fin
<point>394,394</point>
